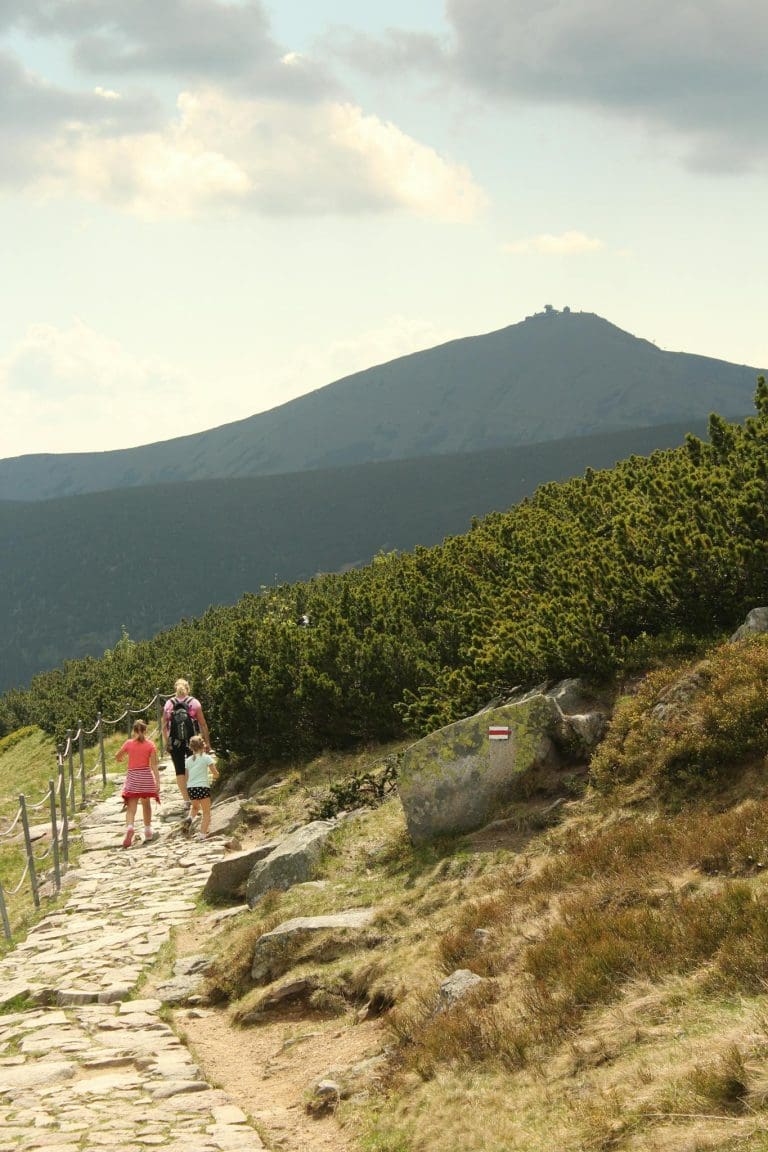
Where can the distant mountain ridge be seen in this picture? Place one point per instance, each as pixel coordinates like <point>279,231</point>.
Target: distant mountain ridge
<point>554,375</point>
<point>69,576</point>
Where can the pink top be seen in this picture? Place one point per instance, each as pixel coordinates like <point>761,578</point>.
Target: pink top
<point>193,706</point>
<point>139,753</point>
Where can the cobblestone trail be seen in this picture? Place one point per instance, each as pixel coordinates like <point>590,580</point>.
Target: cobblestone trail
<point>90,1069</point>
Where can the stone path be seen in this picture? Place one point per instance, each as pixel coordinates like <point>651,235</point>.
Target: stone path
<point>88,1068</point>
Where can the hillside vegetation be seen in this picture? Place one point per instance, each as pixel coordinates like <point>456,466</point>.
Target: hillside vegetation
<point>68,573</point>
<point>621,937</point>
<point>553,375</point>
<point>588,577</point>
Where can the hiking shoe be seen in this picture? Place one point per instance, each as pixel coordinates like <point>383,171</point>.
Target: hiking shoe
<point>201,836</point>
<point>149,838</point>
<point>128,838</point>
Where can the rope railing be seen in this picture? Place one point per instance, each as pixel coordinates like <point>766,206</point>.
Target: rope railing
<point>40,803</point>
<point>7,831</point>
<point>15,891</point>
<point>61,798</point>
<point>119,720</point>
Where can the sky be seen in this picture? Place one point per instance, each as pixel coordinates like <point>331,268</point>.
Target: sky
<point>208,208</point>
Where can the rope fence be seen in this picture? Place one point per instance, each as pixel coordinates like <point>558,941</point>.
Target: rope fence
<point>62,801</point>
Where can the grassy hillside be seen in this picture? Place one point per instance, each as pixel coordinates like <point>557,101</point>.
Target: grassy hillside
<point>555,375</point>
<point>622,938</point>
<point>74,571</point>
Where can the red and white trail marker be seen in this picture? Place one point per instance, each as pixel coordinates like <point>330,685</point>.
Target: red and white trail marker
<point>498,732</point>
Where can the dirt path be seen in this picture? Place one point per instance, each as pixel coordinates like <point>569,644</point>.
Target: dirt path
<point>268,1071</point>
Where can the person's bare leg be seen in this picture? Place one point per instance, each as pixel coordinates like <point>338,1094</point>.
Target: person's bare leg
<point>146,810</point>
<point>131,805</point>
<point>206,821</point>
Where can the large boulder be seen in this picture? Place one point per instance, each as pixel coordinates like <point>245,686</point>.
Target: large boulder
<point>457,779</point>
<point>676,700</point>
<point>229,875</point>
<point>226,816</point>
<point>755,623</point>
<point>273,952</point>
<point>585,714</point>
<point>293,861</point>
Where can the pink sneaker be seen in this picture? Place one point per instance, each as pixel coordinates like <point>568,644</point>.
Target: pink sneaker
<point>128,838</point>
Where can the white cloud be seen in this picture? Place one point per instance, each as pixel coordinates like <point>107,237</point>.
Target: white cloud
<point>73,385</point>
<point>272,156</point>
<point>74,361</point>
<point>545,244</point>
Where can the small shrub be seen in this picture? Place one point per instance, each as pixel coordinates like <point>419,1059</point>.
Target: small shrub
<point>460,947</point>
<point>722,1086</point>
<point>473,1030</point>
<point>361,790</point>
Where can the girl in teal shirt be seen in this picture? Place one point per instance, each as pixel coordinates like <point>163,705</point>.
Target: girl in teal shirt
<point>197,768</point>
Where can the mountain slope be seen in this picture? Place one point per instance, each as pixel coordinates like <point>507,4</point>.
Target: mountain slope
<point>554,375</point>
<point>73,570</point>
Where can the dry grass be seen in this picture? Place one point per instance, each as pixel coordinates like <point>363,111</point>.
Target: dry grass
<point>624,950</point>
<point>684,729</point>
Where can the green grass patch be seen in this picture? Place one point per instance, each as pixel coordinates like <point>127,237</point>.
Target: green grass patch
<point>19,1003</point>
<point>27,764</point>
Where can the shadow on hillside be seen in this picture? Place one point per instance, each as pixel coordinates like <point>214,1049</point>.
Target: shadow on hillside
<point>542,804</point>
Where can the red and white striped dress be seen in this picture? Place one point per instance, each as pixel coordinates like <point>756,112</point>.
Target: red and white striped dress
<point>140,780</point>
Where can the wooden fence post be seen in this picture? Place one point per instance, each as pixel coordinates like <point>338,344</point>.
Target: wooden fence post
<point>81,756</point>
<point>64,816</point>
<point>4,914</point>
<point>55,836</point>
<point>30,853</point>
<point>71,769</point>
<point>102,758</point>
<point>159,718</point>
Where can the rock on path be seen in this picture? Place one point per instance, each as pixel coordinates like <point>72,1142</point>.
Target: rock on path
<point>89,1069</point>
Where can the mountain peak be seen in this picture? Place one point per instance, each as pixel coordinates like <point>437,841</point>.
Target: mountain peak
<point>555,374</point>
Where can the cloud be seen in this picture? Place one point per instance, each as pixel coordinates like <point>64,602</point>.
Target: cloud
<point>34,113</point>
<point>275,157</point>
<point>77,362</point>
<point>395,52</point>
<point>195,41</point>
<point>73,381</point>
<point>695,71</point>
<point>255,127</point>
<point>545,244</point>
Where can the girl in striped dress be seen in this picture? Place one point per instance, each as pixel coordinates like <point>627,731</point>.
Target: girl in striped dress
<point>142,781</point>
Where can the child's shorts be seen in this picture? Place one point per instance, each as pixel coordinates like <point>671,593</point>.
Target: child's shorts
<point>199,793</point>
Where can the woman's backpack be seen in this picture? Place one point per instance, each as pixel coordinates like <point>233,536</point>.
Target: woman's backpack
<point>181,726</point>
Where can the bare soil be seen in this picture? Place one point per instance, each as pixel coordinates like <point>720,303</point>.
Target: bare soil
<point>269,1070</point>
